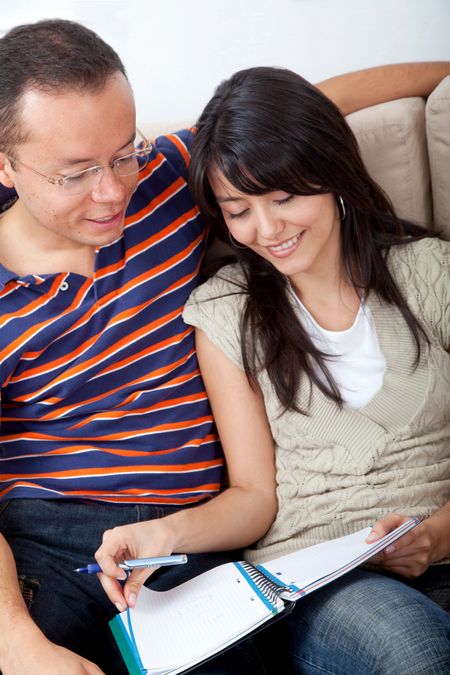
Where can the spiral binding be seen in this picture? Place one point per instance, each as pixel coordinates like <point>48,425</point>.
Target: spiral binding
<point>266,586</point>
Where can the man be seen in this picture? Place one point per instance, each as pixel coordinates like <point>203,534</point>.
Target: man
<point>104,416</point>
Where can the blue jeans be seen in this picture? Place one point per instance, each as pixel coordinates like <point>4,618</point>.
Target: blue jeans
<point>365,623</point>
<point>50,538</point>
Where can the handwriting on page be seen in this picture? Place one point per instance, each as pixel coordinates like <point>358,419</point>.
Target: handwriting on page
<point>197,614</point>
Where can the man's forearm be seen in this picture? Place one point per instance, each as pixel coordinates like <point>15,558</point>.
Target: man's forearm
<point>363,88</point>
<point>14,615</point>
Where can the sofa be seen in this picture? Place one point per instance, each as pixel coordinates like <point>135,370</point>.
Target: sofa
<point>405,145</point>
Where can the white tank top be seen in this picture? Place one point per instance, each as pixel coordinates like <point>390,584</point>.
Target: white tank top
<point>356,362</point>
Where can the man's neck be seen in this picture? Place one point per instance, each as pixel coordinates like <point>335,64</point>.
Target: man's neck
<point>27,249</point>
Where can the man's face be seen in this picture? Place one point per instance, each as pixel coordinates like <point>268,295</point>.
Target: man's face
<point>70,131</point>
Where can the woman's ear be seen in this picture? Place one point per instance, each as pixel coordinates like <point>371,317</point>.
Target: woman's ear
<point>6,171</point>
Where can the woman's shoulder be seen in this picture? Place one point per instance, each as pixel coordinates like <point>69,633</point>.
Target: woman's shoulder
<point>420,256</point>
<point>218,300</point>
<point>419,264</point>
<point>421,270</point>
<point>228,282</point>
<point>215,307</point>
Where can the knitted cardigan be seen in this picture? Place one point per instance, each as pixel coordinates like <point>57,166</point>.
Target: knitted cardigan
<point>339,470</point>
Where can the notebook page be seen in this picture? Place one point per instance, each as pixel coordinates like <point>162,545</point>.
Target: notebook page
<point>305,569</point>
<point>185,624</point>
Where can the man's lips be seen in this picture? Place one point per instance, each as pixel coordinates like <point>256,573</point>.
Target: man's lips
<point>107,222</point>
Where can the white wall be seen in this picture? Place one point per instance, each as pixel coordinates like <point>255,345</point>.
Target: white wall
<point>176,51</point>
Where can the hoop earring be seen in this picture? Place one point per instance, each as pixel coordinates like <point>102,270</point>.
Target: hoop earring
<point>233,241</point>
<point>342,209</point>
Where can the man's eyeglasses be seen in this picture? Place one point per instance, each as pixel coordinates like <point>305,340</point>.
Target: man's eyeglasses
<point>87,180</point>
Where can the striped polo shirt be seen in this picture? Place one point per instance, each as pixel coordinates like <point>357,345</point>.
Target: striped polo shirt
<point>101,393</point>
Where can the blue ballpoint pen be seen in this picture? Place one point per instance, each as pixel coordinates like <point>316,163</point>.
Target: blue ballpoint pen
<point>128,565</point>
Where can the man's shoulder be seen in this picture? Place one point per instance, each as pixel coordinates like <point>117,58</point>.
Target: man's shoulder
<point>164,181</point>
<point>176,149</point>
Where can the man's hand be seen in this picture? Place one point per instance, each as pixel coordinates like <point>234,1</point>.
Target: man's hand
<point>411,555</point>
<point>35,655</point>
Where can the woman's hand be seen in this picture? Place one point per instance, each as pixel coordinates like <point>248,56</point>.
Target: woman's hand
<point>411,555</point>
<point>128,542</point>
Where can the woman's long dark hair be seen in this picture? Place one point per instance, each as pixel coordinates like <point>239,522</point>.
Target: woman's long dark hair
<point>268,129</point>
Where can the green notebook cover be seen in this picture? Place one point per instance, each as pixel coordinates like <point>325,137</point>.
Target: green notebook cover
<point>129,652</point>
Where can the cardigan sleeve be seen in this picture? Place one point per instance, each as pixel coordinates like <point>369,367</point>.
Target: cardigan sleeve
<point>422,270</point>
<point>216,308</point>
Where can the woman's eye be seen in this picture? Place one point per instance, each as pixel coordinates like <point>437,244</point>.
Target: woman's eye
<point>232,216</point>
<point>285,200</point>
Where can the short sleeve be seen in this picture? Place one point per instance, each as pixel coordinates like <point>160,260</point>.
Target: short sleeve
<point>216,308</point>
<point>176,148</point>
<point>422,270</point>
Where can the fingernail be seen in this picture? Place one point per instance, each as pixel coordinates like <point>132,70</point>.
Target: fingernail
<point>132,599</point>
<point>372,536</point>
<point>122,576</point>
<point>390,549</point>
<point>119,606</point>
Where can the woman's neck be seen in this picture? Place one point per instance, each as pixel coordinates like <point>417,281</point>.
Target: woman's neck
<point>331,299</point>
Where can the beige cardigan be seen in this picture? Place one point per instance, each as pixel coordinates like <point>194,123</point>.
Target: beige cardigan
<point>340,470</point>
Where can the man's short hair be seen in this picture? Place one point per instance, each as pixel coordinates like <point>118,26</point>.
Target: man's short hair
<point>47,56</point>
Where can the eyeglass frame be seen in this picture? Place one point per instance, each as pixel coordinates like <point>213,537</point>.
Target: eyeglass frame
<point>148,147</point>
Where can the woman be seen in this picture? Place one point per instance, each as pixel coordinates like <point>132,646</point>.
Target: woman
<point>329,336</point>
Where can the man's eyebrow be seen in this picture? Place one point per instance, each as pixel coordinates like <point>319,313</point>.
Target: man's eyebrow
<point>84,160</point>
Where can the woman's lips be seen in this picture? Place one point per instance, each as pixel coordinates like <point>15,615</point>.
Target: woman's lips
<point>286,247</point>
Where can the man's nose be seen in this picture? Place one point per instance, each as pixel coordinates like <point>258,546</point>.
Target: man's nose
<point>109,187</point>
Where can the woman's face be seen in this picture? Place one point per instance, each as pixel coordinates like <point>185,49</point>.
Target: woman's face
<point>299,235</point>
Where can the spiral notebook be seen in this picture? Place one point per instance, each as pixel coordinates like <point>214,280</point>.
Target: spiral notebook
<point>171,631</point>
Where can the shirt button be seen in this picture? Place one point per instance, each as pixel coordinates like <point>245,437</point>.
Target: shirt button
<point>63,286</point>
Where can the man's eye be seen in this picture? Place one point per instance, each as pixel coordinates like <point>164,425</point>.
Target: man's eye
<point>127,160</point>
<point>76,178</point>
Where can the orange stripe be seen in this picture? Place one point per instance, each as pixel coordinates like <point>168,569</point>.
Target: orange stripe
<point>119,317</point>
<point>54,414</point>
<point>118,414</point>
<point>163,196</point>
<point>181,147</point>
<point>107,471</point>
<point>74,449</point>
<point>147,243</point>
<point>37,327</point>
<point>175,339</point>
<point>129,453</point>
<point>139,380</point>
<point>165,385</point>
<point>70,372</point>
<point>106,496</point>
<point>35,436</point>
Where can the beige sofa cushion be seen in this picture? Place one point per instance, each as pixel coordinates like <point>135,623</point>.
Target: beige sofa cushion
<point>392,140</point>
<point>438,136</point>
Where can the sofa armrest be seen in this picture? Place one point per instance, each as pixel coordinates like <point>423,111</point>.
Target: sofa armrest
<point>438,137</point>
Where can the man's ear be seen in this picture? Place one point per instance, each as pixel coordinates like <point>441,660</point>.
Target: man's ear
<point>6,171</point>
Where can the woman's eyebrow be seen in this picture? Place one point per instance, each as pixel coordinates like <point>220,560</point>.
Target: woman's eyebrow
<point>221,200</point>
